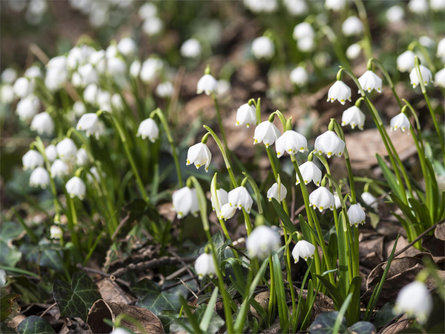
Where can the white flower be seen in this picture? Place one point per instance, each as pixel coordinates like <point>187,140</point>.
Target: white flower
<point>353,51</point>
<point>261,6</point>
<point>415,300</point>
<point>204,266</point>
<point>32,159</point>
<point>296,7</point>
<point>103,100</point>
<point>55,232</point>
<point>150,69</point>
<point>28,107</point>
<point>426,41</point>
<point>246,115</point>
<point>185,201</point>
<point>59,168</point>
<point>405,62</point>
<point>400,122</point>
<point>66,149</point>
<point>99,61</point>
<point>262,242</point>
<point>439,78</point>
<point>147,11</point>
<point>291,142</point>
<point>322,199</point>
<point>82,157</point>
<point>227,211</point>
<point>191,48</point>
<point>127,47</point>
<point>330,144</point>
<point>223,87</point>
<point>206,84</point>
<point>240,198</point>
<point>279,193</point>
<point>90,94</point>
<point>303,249</point>
<point>43,124</point>
<point>310,172</point>
<point>306,44</point>
<point>89,123</point>
<point>93,175</point>
<point>39,178</point>
<point>418,6</point>
<point>51,152</point>
<point>2,278</point>
<point>354,117</point>
<point>335,5</point>
<point>440,50</point>
<point>87,74</point>
<point>266,132</point>
<point>148,129</point>
<point>356,215</point>
<point>222,196</point>
<point>23,87</point>
<point>9,75</point>
<point>200,155</point>
<point>116,101</point>
<point>303,30</point>
<point>57,73</point>
<point>337,201</point>
<point>370,200</point>
<point>79,108</point>
<point>426,74</point>
<point>262,47</point>
<point>339,91</point>
<point>164,89</point>
<point>352,26</point>
<point>437,5</point>
<point>299,76</point>
<point>395,14</point>
<point>75,187</point>
<point>135,68</point>
<point>6,93</point>
<point>369,81</point>
<point>152,26</point>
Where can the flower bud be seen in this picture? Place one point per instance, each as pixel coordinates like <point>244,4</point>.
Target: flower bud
<point>55,232</point>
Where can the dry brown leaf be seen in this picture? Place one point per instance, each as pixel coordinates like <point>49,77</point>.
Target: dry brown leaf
<point>439,232</point>
<point>261,298</point>
<point>396,327</point>
<point>371,252</point>
<point>112,292</point>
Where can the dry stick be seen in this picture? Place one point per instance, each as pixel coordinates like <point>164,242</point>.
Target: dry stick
<point>121,224</point>
<point>103,274</point>
<point>185,265</point>
<point>47,310</point>
<point>151,263</point>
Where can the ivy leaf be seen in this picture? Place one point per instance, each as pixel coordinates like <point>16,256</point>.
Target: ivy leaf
<point>362,327</point>
<point>35,325</point>
<point>324,323</point>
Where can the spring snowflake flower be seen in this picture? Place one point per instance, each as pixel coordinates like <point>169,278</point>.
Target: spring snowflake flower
<point>418,6</point>
<point>299,76</point>
<point>291,142</point>
<point>437,5</point>
<point>263,47</point>
<point>185,201</point>
<point>427,76</point>
<point>226,210</point>
<point>93,175</point>
<point>222,196</point>
<point>306,44</point>
<point>59,168</point>
<point>356,215</point>
<point>90,94</point>
<point>296,7</point>
<point>405,62</point>
<point>279,193</point>
<point>135,68</point>
<point>303,30</point>
<point>57,73</point>
<point>415,300</point>
<point>204,266</point>
<point>191,48</point>
<point>28,107</point>
<point>127,47</point>
<point>440,49</point>
<point>369,81</point>
<point>150,69</point>
<point>370,200</point>
<point>165,89</point>
<point>9,75</point>
<point>152,26</point>
<point>303,249</point>
<point>335,5</point>
<point>199,155</point>
<point>322,199</point>
<point>206,84</point>
<point>354,117</point>
<point>51,153</point>
<point>310,172</point>
<point>55,232</point>
<point>261,6</point>
<point>395,14</point>
<point>223,87</point>
<point>66,149</point>
<point>89,123</point>
<point>339,91</point>
<point>43,124</point>
<point>353,51</point>
<point>400,122</point>
<point>267,133</point>
<point>337,201</point>
<point>262,242</point>
<point>82,157</point>
<point>75,187</point>
<point>330,144</point>
<point>240,198</point>
<point>352,26</point>
<point>148,129</point>
<point>32,159</point>
<point>6,94</point>
<point>23,87</point>
<point>39,178</point>
<point>147,11</point>
<point>439,78</point>
<point>246,115</point>
<point>79,108</point>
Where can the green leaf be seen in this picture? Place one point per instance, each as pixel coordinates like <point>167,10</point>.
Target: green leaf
<point>281,295</point>
<point>9,255</point>
<point>284,217</point>
<point>4,329</point>
<point>209,312</point>
<point>389,176</point>
<point>352,314</point>
<point>10,231</point>
<point>6,302</point>
<point>75,300</point>
<point>324,323</point>
<point>35,325</point>
<point>152,298</point>
<point>332,291</point>
<point>362,327</point>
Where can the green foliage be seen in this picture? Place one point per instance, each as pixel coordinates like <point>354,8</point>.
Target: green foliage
<point>35,325</point>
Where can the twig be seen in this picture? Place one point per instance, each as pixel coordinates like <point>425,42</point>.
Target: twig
<point>47,310</point>
<point>122,222</point>
<point>184,264</point>
<point>103,274</point>
<point>151,263</point>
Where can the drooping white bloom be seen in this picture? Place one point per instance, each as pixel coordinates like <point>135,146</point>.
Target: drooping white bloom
<point>335,5</point>
<point>330,144</point>
<point>135,68</point>
<point>395,14</point>
<point>152,26</point>
<point>337,202</point>
<point>148,129</point>
<point>354,117</point>
<point>240,198</point>
<point>127,47</point>
<point>55,232</point>
<point>370,200</point>
<point>296,7</point>
<point>66,149</point>
<point>339,91</point>
<point>165,89</point>
<point>263,47</point>
<point>266,132</point>
<point>440,49</point>
<point>150,69</point>
<point>405,62</point>
<point>199,155</point>
<point>356,215</point>
<point>39,178</point>
<point>303,249</point>
<point>85,75</point>
<point>415,300</point>
<point>322,199</point>
<point>303,30</point>
<point>32,159</point>
<point>226,211</point>
<point>204,266</point>
<point>103,100</point>
<point>437,5</point>
<point>185,201</point>
<point>89,123</point>
<point>82,157</point>
<point>79,108</point>
<point>43,124</point>
<point>246,115</point>
<point>23,87</point>
<point>262,242</point>
<point>222,196</point>
<point>369,81</point>
<point>148,10</point>
<point>90,94</point>
<point>2,278</point>
<point>291,142</point>
<point>439,78</point>
<point>426,41</point>
<point>93,175</point>
<point>59,168</point>
<point>418,6</point>
<point>299,76</point>
<point>116,101</point>
<point>310,172</point>
<point>28,107</point>
<point>9,75</point>
<point>400,122</point>
<point>426,74</point>
<point>206,84</point>
<point>6,94</point>
<point>306,44</point>
<point>57,73</point>
<point>223,87</point>
<point>51,153</point>
<point>353,51</point>
<point>277,192</point>
<point>191,48</point>
<point>99,60</point>
<point>75,187</point>
<point>261,6</point>
<point>352,26</point>
<point>33,72</point>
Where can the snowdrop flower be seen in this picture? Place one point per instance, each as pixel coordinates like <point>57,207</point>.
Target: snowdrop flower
<point>322,199</point>
<point>370,200</point>
<point>206,84</point>
<point>165,89</point>
<point>6,94</point>
<point>296,7</point>
<point>310,172</point>
<point>185,201</point>
<point>330,144</point>
<point>82,157</point>
<point>191,48</point>
<point>75,187</point>
<point>337,202</point>
<point>303,30</point>
<point>262,242</point>
<point>335,5</point>
<point>356,215</point>
<point>303,249</point>
<point>32,159</point>
<point>440,49</point>
<point>79,108</point>
<point>277,192</point>
<point>148,129</point>
<point>291,142</point>
<point>400,122</point>
<point>339,91</point>
<point>299,76</point>
<point>127,47</point>
<point>28,107</point>
<point>150,69</point>
<point>66,149</point>
<point>262,47</point>
<point>89,123</point>
<point>199,155</point>
<point>415,300</point>
<point>405,62</point>
<point>152,26</point>
<point>267,133</point>
<point>135,68</point>
<point>352,26</point>
<point>426,74</point>
<point>240,198</point>
<point>55,232</point>
<point>439,78</point>
<point>418,6</point>
<point>43,124</point>
<point>395,14</point>
<point>59,168</point>
<point>246,115</point>
<point>204,266</point>
<point>369,81</point>
<point>51,152</point>
<point>354,117</point>
<point>23,87</point>
<point>39,178</point>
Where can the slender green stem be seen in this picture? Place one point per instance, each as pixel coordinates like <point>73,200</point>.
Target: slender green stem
<point>388,79</point>
<point>220,123</point>
<point>272,295</point>
<point>272,163</point>
<point>367,32</point>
